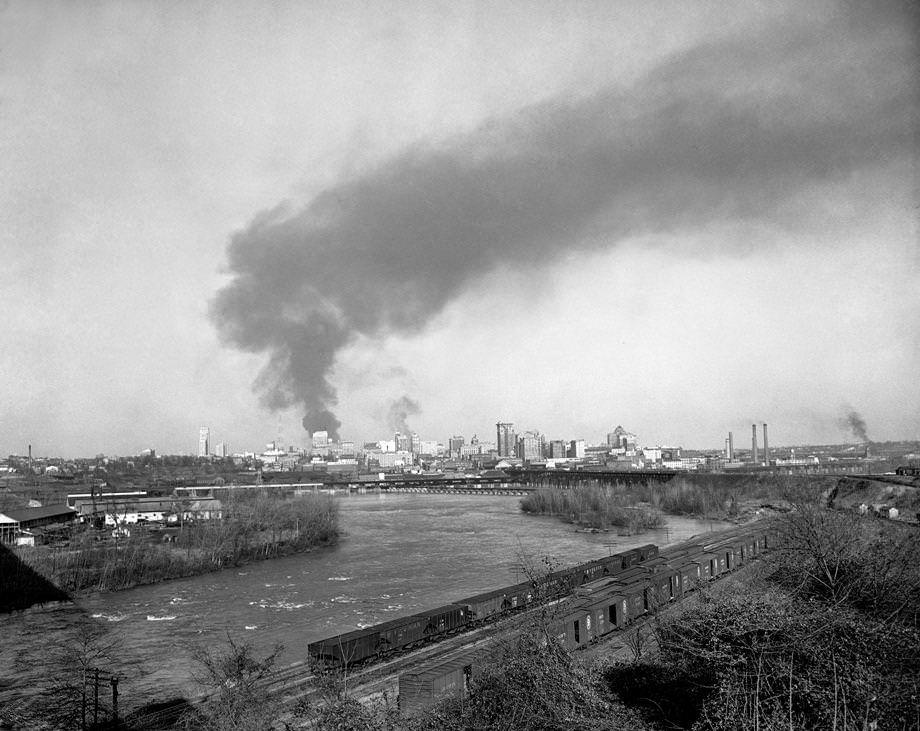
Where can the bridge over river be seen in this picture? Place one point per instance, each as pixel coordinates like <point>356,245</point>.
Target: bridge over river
<point>517,482</point>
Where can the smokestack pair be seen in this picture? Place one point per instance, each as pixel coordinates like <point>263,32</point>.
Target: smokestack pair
<point>766,446</point>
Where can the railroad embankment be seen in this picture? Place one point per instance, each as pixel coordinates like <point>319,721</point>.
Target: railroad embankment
<point>883,491</point>
<point>823,634</point>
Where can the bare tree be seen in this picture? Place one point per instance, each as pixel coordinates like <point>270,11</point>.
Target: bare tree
<point>237,683</point>
<point>70,692</point>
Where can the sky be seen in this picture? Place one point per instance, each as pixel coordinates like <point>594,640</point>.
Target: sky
<point>275,218</point>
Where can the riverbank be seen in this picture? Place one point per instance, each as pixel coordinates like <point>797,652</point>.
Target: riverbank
<point>254,530</point>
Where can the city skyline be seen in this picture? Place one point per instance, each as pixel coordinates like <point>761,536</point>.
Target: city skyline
<point>667,216</point>
<point>411,441</point>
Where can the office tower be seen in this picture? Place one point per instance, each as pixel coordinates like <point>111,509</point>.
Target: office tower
<point>557,449</point>
<point>320,439</point>
<point>403,442</point>
<point>204,441</point>
<point>505,439</point>
<point>530,446</point>
<point>454,445</point>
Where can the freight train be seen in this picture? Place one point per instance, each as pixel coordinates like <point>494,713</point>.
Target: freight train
<point>379,641</point>
<point>600,606</point>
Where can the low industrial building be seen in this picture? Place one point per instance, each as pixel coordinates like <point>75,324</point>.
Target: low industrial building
<point>16,521</point>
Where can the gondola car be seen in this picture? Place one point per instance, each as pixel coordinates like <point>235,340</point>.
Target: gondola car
<point>399,634</point>
<point>492,604</point>
<point>349,648</point>
<point>631,589</point>
<point>640,586</point>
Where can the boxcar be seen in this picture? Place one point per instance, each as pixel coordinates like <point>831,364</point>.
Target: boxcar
<point>690,574</point>
<point>436,679</point>
<point>707,564</point>
<point>630,558</point>
<point>724,553</point>
<point>632,574</point>
<point>636,595</point>
<point>576,626</point>
<point>596,587</point>
<point>609,607</point>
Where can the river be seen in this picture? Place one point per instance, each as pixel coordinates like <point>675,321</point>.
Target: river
<point>398,554</point>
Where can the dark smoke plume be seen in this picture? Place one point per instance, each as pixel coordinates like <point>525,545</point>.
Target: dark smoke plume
<point>856,424</point>
<point>728,130</point>
<point>400,411</point>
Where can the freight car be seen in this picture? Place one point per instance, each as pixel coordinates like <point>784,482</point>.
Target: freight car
<point>597,608</point>
<point>373,643</point>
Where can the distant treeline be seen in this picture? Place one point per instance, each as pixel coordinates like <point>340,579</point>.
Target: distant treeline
<point>601,505</point>
<point>251,528</point>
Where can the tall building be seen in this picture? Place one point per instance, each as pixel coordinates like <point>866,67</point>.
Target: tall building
<point>204,441</point>
<point>415,442</point>
<point>557,449</point>
<point>222,450</point>
<point>454,445</point>
<point>505,440</point>
<point>530,446</point>
<point>403,442</point>
<point>577,449</point>
<point>619,438</point>
<point>320,439</point>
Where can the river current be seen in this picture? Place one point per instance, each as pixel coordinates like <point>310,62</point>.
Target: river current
<point>398,554</point>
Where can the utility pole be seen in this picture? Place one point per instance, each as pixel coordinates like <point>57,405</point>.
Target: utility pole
<point>115,699</point>
<point>96,697</point>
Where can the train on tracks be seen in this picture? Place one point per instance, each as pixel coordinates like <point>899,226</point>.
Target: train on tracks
<point>363,646</point>
<point>601,605</point>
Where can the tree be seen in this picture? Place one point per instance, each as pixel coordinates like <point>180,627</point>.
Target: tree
<point>73,697</point>
<point>237,684</point>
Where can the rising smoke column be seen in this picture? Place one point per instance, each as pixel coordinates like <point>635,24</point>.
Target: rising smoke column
<point>399,412</point>
<point>727,130</point>
<point>856,425</point>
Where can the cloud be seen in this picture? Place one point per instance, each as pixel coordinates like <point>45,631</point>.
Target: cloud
<point>724,131</point>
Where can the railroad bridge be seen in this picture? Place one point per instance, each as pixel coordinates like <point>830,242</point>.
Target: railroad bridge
<point>574,478</point>
<point>515,482</point>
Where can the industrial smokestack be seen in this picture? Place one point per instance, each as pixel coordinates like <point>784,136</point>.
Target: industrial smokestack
<point>754,443</point>
<point>727,453</point>
<point>766,447</point>
<point>30,460</point>
<point>731,446</point>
